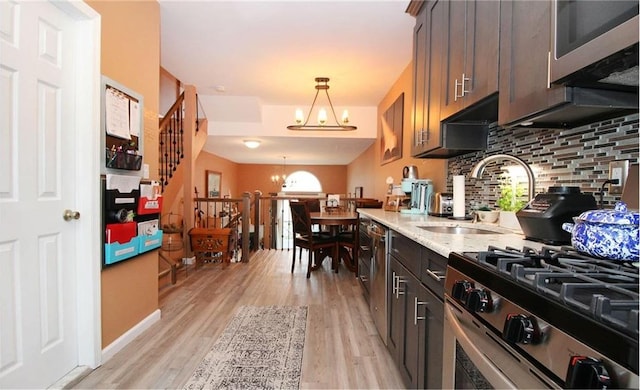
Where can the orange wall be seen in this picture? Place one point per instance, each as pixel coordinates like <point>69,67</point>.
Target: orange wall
<point>239,178</point>
<point>131,56</point>
<point>373,181</point>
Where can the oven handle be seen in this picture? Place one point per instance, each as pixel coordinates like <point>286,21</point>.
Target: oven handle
<point>488,369</point>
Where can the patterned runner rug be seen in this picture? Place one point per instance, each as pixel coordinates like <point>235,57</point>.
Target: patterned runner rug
<point>261,348</point>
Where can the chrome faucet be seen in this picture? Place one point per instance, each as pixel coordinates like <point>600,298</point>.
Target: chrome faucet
<point>477,170</point>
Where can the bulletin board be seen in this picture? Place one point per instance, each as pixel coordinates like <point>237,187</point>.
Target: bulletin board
<point>122,129</point>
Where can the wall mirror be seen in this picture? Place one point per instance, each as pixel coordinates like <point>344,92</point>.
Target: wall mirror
<point>213,182</point>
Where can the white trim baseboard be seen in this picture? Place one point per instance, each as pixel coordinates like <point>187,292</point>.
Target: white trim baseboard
<point>110,350</point>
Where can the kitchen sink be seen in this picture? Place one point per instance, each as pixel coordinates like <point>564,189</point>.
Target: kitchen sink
<point>457,230</point>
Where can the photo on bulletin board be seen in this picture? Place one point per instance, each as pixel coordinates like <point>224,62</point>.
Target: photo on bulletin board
<point>214,182</point>
<point>392,124</point>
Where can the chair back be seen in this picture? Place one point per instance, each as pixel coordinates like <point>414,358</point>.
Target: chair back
<point>300,218</point>
<point>314,205</point>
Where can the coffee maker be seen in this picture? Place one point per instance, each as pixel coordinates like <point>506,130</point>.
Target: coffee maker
<point>419,191</point>
<point>421,194</point>
<point>409,177</point>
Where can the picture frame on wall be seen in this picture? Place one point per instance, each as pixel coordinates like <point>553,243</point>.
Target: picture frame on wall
<point>392,128</point>
<point>213,184</point>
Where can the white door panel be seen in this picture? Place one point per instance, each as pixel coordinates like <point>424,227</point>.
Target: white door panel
<point>38,181</point>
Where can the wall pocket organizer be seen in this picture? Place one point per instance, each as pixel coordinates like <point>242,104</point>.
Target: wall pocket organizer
<point>131,215</point>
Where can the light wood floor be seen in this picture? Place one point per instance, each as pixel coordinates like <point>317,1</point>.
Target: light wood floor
<point>342,347</point>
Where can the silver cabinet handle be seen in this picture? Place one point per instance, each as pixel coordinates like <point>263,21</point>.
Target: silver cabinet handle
<point>394,287</point>
<point>464,90</point>
<point>398,291</point>
<point>549,69</point>
<point>455,90</point>
<point>434,275</point>
<point>417,303</point>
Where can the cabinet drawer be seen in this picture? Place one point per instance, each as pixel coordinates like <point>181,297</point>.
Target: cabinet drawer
<point>433,271</point>
<point>406,251</point>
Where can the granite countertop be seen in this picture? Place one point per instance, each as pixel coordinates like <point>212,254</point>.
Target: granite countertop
<point>444,243</point>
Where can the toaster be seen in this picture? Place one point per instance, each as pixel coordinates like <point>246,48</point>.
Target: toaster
<point>441,204</point>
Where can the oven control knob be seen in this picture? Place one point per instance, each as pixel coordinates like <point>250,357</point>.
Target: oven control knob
<point>518,328</point>
<point>478,300</point>
<point>461,289</point>
<point>587,373</point>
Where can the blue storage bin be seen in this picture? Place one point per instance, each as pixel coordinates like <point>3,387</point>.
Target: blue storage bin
<point>147,243</point>
<point>116,252</point>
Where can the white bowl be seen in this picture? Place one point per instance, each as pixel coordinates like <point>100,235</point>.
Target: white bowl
<point>488,216</point>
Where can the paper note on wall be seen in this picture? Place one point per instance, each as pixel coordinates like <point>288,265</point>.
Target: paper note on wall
<point>117,114</point>
<point>134,118</point>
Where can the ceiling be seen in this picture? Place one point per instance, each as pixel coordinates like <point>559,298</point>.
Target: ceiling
<point>271,52</point>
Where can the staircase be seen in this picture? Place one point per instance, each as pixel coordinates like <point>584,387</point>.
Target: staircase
<point>182,136</point>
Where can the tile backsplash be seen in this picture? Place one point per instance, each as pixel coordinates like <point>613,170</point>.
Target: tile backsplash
<point>559,157</point>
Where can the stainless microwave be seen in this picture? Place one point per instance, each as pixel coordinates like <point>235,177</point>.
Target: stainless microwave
<point>594,36</point>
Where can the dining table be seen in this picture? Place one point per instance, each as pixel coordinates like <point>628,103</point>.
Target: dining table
<point>338,221</point>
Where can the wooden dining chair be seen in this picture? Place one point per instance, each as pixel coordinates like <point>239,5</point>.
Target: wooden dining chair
<point>305,238</point>
<point>348,248</point>
<point>314,207</point>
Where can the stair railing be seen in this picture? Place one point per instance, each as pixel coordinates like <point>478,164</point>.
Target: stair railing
<point>171,140</point>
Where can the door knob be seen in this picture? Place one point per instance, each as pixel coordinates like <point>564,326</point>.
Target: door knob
<point>70,214</point>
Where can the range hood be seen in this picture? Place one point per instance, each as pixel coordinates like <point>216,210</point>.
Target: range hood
<point>581,105</point>
<point>466,131</point>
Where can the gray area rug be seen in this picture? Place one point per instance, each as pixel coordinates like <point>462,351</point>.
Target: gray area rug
<point>261,348</point>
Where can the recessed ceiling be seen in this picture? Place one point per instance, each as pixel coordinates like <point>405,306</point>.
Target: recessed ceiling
<point>273,50</point>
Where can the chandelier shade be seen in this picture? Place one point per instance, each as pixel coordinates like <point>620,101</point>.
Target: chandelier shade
<point>323,124</point>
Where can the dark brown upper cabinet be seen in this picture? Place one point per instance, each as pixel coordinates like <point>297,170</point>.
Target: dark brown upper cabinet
<point>472,38</point>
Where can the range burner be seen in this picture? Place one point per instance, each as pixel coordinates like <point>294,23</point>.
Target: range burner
<point>605,290</point>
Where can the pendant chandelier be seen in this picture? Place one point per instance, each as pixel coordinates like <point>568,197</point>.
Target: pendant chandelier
<point>278,180</point>
<point>323,125</point>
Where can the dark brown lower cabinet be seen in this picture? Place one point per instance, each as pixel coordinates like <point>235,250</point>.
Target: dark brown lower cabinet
<point>415,328</point>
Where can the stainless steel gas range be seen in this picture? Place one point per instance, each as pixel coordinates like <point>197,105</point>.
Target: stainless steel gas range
<point>548,318</point>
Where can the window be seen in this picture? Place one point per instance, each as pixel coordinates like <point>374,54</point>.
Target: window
<point>302,181</point>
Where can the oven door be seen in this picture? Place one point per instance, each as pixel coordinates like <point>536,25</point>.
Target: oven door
<point>474,357</point>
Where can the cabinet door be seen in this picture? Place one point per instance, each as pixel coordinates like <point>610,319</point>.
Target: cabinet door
<point>472,41</point>
<point>524,55</point>
<point>419,117</point>
<point>455,33</point>
<point>396,300</point>
<point>410,364</point>
<point>430,327</point>
<point>483,41</point>
<point>436,24</point>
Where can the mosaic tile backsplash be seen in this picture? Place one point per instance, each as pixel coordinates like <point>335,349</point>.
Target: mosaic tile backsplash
<point>576,157</point>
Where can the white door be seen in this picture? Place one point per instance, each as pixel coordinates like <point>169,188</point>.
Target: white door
<point>39,180</point>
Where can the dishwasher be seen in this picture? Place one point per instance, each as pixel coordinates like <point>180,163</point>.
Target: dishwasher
<point>372,271</point>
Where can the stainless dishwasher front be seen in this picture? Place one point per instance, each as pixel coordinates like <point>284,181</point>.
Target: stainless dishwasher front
<point>378,277</point>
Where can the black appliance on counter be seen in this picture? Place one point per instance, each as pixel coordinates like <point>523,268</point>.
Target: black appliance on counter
<point>547,318</point>
<point>542,218</point>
